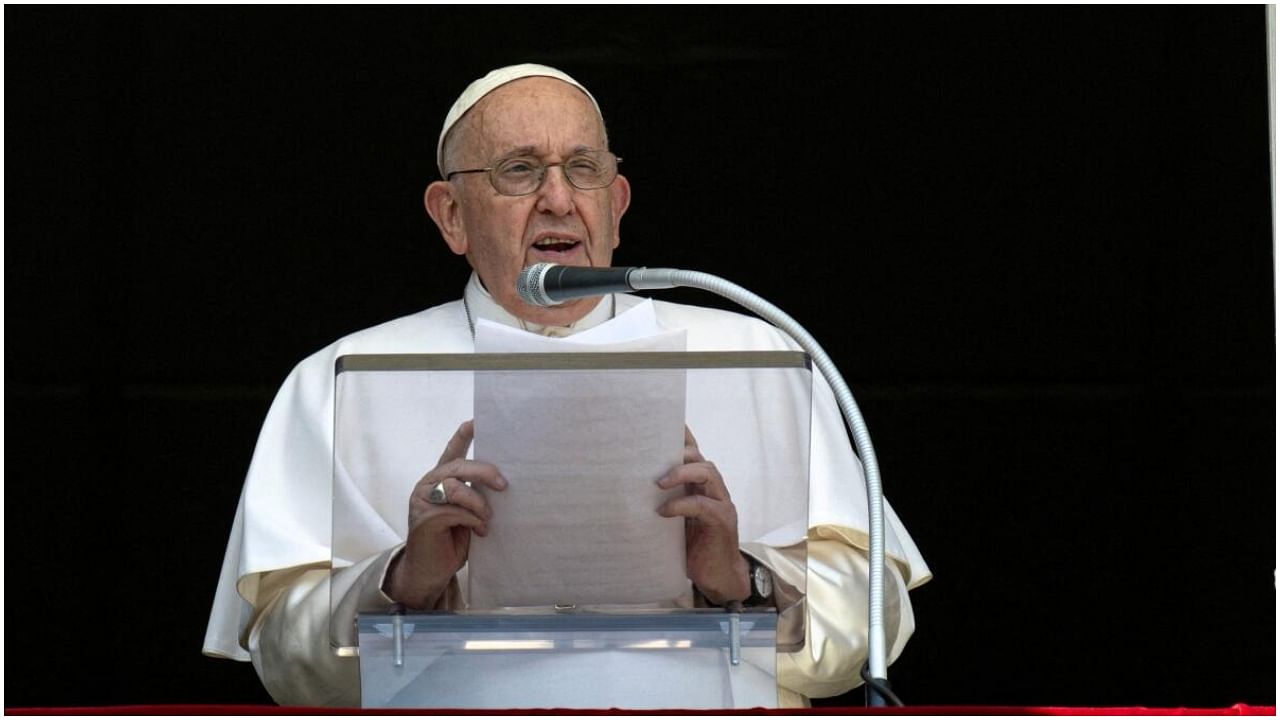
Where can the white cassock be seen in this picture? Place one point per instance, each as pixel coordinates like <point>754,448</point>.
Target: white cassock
<point>272,604</point>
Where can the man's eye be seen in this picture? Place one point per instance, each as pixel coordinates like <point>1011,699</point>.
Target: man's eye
<point>518,167</point>
<point>584,165</point>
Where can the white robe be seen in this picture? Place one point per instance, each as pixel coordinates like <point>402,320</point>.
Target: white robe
<point>273,598</point>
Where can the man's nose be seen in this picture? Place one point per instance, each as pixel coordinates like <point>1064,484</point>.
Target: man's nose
<point>556,194</point>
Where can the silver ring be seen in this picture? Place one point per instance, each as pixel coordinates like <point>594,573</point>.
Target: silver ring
<point>437,495</point>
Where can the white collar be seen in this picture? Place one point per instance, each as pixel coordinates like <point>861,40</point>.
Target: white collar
<point>478,303</point>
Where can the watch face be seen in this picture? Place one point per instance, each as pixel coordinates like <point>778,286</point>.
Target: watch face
<point>763,581</point>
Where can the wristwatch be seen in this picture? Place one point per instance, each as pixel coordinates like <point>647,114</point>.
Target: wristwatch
<point>761,583</point>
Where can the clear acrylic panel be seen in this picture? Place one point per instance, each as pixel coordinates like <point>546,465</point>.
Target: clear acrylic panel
<point>394,414</point>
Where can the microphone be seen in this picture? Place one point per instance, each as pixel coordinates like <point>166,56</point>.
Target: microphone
<point>547,284</point>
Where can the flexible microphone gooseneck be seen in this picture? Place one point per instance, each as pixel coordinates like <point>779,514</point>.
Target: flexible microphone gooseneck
<point>548,284</point>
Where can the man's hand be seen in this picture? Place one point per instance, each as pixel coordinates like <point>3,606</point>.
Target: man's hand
<point>440,534</point>
<point>711,527</point>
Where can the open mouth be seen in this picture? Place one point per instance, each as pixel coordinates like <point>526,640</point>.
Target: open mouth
<point>556,245</point>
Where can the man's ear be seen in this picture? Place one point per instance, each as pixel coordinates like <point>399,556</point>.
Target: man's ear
<point>620,199</point>
<point>442,204</point>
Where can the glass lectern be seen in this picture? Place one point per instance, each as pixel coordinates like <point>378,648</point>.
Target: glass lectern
<point>590,607</point>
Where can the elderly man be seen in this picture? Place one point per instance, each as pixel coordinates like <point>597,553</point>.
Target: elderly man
<point>528,177</point>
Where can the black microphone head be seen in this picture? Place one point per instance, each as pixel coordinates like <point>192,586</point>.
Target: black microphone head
<point>529,285</point>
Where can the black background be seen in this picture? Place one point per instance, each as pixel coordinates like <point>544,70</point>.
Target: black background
<point>1036,241</point>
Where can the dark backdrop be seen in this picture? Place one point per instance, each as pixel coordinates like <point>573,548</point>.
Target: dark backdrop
<point>1036,241</point>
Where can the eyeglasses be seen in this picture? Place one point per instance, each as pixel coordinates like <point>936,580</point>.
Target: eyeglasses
<point>587,170</point>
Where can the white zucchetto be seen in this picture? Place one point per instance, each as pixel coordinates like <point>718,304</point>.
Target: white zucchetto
<point>487,84</point>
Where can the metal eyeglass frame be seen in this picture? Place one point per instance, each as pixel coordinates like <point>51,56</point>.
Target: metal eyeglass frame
<point>542,174</point>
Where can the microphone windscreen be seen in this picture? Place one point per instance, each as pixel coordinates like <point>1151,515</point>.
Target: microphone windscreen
<point>529,284</point>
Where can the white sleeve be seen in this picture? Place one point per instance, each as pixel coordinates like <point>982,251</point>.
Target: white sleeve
<point>834,613</point>
<point>289,639</point>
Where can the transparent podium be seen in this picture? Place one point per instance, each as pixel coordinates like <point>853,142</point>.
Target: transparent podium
<point>578,595</point>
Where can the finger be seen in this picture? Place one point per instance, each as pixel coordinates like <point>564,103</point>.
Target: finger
<point>689,439</point>
<point>457,446</point>
<point>460,494</point>
<point>474,471</point>
<point>456,492</point>
<point>694,507</point>
<point>691,452</point>
<point>702,476</point>
<point>439,518</point>
<point>462,538</point>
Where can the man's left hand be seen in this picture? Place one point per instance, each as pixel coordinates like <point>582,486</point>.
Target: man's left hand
<point>715,565</point>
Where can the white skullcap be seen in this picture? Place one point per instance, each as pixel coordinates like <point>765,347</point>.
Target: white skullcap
<point>494,80</point>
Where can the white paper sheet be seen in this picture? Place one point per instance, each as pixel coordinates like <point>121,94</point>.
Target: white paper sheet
<point>582,451</point>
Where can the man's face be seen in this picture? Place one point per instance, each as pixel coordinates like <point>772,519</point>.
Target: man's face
<point>500,235</point>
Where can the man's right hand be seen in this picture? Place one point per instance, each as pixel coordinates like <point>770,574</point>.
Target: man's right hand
<point>440,534</point>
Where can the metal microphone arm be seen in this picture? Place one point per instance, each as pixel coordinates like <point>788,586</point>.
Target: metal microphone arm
<point>644,278</point>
